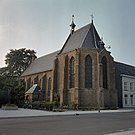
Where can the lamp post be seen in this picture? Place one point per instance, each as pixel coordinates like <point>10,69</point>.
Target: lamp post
<point>100,76</point>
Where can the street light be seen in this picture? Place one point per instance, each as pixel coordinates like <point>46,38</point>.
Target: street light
<point>100,75</point>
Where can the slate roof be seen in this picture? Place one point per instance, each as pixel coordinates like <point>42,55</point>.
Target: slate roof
<point>41,64</point>
<point>85,37</point>
<point>124,69</point>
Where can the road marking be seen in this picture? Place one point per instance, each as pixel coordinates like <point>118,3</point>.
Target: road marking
<point>131,132</point>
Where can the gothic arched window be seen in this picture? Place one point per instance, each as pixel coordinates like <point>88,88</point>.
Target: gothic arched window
<point>44,80</point>
<point>56,75</point>
<point>44,83</point>
<point>66,72</point>
<point>104,72</point>
<point>49,86</point>
<point>28,83</point>
<point>36,80</point>
<point>72,73</point>
<point>88,72</point>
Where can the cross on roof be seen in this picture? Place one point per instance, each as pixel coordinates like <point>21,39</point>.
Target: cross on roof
<point>92,16</point>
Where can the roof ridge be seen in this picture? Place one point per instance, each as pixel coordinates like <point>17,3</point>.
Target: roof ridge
<point>124,64</point>
<point>47,54</point>
<point>65,43</point>
<point>83,27</point>
<point>93,30</point>
<point>86,33</point>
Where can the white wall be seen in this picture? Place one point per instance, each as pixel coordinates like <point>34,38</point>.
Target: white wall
<point>128,91</point>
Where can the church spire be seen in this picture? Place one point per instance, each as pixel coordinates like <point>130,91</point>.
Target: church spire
<point>72,25</point>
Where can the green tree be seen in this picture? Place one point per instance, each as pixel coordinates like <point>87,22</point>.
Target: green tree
<point>4,87</point>
<point>17,92</point>
<point>1,82</point>
<point>11,87</point>
<point>18,60</point>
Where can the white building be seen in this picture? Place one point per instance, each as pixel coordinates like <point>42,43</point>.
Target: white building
<point>128,90</point>
<point>125,84</point>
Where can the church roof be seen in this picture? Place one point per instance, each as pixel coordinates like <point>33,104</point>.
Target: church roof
<point>125,69</point>
<point>41,64</point>
<point>85,37</point>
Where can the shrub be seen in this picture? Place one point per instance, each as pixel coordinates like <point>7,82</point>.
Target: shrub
<point>58,110</point>
<point>36,105</point>
<point>27,106</point>
<point>49,106</point>
<point>73,106</point>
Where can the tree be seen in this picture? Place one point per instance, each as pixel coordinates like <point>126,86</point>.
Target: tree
<point>17,92</point>
<point>12,90</point>
<point>18,60</point>
<point>4,71</point>
<point>4,89</point>
<point>11,87</point>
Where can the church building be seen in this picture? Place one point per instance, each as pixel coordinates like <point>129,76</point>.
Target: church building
<point>81,73</point>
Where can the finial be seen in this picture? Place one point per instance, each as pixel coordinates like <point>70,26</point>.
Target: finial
<point>101,43</point>
<point>72,18</point>
<point>102,39</point>
<point>92,17</point>
<point>72,25</point>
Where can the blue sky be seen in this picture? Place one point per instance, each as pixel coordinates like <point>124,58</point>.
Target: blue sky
<point>43,25</point>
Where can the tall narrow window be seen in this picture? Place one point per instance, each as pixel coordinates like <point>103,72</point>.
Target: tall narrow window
<point>131,99</point>
<point>66,72</point>
<point>28,83</point>
<point>49,86</point>
<point>131,86</point>
<point>88,72</point>
<point>104,72</point>
<point>72,74</point>
<point>56,75</point>
<point>36,80</point>
<point>44,84</point>
<point>126,99</point>
<point>125,86</point>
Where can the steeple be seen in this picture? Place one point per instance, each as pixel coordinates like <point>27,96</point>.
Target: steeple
<point>72,25</point>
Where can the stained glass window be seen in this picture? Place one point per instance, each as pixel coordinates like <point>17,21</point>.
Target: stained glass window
<point>88,72</point>
<point>104,72</point>
<point>72,74</point>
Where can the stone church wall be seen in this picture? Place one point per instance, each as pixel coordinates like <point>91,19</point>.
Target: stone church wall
<point>38,79</point>
<point>80,95</point>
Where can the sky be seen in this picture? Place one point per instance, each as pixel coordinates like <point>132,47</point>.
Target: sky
<point>43,25</point>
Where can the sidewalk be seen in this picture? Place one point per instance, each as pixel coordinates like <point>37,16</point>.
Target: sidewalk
<point>38,113</point>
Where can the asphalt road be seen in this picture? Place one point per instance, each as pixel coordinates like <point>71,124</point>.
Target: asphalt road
<point>90,124</point>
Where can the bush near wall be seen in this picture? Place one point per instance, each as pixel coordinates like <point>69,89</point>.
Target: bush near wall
<point>3,97</point>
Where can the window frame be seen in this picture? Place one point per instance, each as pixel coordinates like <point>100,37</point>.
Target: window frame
<point>104,72</point>
<point>72,72</point>
<point>125,86</point>
<point>88,72</point>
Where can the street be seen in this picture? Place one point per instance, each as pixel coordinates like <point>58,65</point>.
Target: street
<point>88,124</point>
